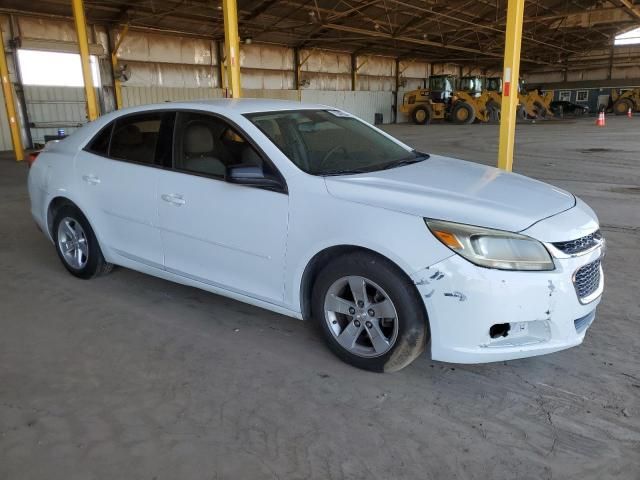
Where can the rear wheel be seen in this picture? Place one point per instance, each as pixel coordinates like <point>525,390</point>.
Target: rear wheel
<point>622,106</point>
<point>540,110</point>
<point>463,113</point>
<point>370,313</point>
<point>421,115</point>
<point>77,245</point>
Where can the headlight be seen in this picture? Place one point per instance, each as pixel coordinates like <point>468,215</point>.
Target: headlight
<point>492,248</point>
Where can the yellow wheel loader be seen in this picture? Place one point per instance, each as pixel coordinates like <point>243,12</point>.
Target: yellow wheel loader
<point>624,101</point>
<point>536,105</point>
<point>417,104</point>
<point>473,102</point>
<point>426,104</point>
<point>531,105</point>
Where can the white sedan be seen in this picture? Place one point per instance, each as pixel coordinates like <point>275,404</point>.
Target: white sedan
<point>310,212</point>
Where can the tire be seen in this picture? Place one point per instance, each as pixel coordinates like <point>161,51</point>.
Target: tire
<point>463,113</point>
<point>494,110</point>
<point>421,115</point>
<point>622,106</point>
<point>71,228</point>
<point>541,111</point>
<point>521,113</point>
<point>401,334</point>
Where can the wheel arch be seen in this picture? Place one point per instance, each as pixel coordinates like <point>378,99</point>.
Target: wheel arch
<point>53,207</point>
<point>320,259</point>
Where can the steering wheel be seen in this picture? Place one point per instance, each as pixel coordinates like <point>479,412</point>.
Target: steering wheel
<point>330,153</point>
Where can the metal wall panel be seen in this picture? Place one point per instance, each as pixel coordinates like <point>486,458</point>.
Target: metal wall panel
<point>148,74</point>
<point>277,94</point>
<point>50,108</point>
<point>132,96</point>
<point>46,28</point>
<point>266,79</point>
<point>148,47</point>
<point>362,104</point>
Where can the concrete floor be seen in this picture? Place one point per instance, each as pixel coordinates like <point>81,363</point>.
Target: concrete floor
<point>133,377</point>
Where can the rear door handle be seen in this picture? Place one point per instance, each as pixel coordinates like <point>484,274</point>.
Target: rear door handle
<point>173,198</point>
<point>91,179</point>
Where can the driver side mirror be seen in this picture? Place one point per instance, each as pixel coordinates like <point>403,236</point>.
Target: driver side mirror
<point>253,176</point>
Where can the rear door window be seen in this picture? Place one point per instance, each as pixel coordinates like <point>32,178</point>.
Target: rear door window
<point>135,138</point>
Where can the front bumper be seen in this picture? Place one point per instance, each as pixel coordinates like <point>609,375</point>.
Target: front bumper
<point>542,309</point>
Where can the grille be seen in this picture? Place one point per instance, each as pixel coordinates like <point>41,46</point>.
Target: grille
<point>581,244</point>
<point>587,279</point>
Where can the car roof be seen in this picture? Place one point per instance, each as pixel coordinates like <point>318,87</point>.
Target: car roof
<point>234,105</point>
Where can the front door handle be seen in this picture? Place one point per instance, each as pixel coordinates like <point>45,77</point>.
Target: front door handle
<point>91,179</point>
<point>173,198</point>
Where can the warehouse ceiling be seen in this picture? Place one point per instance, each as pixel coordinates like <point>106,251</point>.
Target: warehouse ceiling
<point>460,31</point>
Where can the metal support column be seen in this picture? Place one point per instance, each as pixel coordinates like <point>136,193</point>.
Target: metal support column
<point>117,84</point>
<point>296,68</point>
<point>83,44</point>
<point>10,105</point>
<point>511,76</point>
<point>232,46</point>
<point>397,87</point>
<point>354,71</point>
<point>220,60</point>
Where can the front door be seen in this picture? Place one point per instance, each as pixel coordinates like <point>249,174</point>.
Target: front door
<point>223,234</point>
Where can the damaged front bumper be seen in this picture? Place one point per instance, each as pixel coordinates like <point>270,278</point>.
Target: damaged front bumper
<point>479,315</point>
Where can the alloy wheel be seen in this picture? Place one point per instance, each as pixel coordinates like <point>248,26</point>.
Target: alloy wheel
<point>361,316</point>
<point>73,244</point>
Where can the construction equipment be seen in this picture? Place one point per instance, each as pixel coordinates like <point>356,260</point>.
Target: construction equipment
<point>473,102</point>
<point>536,105</point>
<point>421,108</point>
<point>426,104</point>
<point>532,104</point>
<point>622,102</point>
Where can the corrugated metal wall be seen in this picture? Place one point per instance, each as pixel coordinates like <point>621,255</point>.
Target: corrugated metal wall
<point>362,104</point>
<point>132,96</point>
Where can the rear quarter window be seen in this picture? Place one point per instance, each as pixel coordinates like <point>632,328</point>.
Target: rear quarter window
<point>100,143</point>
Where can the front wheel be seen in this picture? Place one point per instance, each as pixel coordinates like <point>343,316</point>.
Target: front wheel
<point>421,115</point>
<point>370,313</point>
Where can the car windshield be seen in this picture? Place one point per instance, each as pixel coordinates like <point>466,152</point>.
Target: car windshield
<point>331,142</point>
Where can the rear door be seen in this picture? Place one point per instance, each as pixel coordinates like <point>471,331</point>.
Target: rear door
<point>223,234</point>
<point>118,172</point>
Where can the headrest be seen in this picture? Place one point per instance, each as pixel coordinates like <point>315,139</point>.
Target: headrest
<point>198,139</point>
<point>269,127</point>
<point>250,157</point>
<point>129,135</point>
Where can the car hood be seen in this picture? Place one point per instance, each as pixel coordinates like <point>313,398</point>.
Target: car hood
<point>455,190</point>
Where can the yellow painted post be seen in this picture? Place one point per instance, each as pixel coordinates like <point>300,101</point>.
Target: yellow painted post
<point>232,46</point>
<point>511,75</point>
<point>9,102</point>
<point>117,84</point>
<point>83,44</point>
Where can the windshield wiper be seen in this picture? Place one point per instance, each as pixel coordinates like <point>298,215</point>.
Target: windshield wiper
<point>331,173</point>
<point>407,161</point>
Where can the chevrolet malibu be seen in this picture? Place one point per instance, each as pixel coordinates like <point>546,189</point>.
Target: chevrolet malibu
<point>308,211</point>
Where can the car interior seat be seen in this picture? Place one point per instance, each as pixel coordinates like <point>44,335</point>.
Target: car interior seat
<point>199,150</point>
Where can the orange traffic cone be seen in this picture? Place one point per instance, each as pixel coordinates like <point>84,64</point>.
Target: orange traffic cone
<point>601,121</point>
<point>629,113</point>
